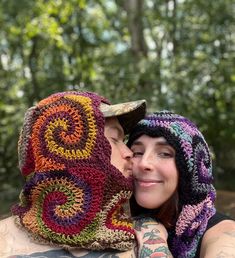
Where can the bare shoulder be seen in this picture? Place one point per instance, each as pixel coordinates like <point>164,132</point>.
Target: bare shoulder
<point>6,227</point>
<point>219,241</point>
<point>15,242</point>
<point>5,221</point>
<point>6,240</point>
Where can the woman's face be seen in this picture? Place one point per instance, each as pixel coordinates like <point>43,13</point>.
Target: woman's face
<point>154,170</point>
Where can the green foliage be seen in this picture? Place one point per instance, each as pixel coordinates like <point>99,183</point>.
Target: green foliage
<point>178,55</point>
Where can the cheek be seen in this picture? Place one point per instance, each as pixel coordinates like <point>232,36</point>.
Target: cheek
<point>134,166</point>
<point>174,177</point>
<point>170,170</point>
<point>113,148</point>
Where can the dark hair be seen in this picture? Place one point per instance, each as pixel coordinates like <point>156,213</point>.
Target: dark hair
<point>195,191</point>
<point>167,214</point>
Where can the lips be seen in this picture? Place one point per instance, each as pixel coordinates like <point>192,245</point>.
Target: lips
<point>147,182</point>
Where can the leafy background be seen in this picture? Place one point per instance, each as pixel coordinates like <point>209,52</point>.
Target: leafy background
<point>177,54</point>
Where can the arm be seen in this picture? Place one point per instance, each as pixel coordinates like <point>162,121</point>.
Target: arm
<point>219,241</point>
<point>152,238</point>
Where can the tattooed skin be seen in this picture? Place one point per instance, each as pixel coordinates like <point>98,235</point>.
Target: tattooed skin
<point>219,241</point>
<point>65,254</point>
<point>223,254</point>
<point>154,239</point>
<point>15,243</point>
<point>62,253</point>
<point>47,254</point>
<point>231,234</point>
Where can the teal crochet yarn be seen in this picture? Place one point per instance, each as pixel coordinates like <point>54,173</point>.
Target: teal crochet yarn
<point>195,188</point>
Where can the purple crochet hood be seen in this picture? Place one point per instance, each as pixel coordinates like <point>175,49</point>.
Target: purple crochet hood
<point>196,191</point>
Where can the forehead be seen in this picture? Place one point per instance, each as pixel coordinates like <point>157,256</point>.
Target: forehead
<point>148,139</point>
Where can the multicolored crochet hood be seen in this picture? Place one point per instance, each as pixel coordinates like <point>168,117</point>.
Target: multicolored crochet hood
<point>195,188</point>
<point>72,196</point>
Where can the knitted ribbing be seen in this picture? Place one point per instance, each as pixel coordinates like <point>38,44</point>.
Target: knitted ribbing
<point>193,161</point>
<point>72,196</point>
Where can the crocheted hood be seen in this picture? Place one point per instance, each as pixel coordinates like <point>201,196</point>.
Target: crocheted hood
<point>73,196</point>
<point>195,189</point>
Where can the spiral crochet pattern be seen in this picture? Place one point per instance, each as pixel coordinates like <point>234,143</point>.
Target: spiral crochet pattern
<point>193,161</point>
<point>73,196</point>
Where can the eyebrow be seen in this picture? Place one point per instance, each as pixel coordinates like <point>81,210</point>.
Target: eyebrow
<point>158,143</point>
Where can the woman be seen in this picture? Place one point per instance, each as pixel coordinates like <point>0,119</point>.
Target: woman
<point>173,183</point>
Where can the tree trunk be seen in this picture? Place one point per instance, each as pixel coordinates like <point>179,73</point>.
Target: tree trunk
<point>135,26</point>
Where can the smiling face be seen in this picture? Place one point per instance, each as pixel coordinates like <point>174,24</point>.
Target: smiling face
<point>154,170</point>
<point>120,153</point>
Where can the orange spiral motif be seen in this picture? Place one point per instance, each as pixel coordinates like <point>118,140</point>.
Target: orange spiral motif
<point>65,132</point>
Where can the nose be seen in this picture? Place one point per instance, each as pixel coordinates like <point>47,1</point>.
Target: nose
<point>146,163</point>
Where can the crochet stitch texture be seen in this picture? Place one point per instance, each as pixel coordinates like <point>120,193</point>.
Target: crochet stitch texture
<point>195,188</point>
<point>72,196</point>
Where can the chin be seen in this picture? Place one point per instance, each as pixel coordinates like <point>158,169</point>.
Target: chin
<point>147,203</point>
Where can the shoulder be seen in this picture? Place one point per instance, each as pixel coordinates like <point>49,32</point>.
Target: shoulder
<point>218,241</point>
<point>7,231</point>
<point>104,253</point>
<point>63,253</point>
<point>15,242</point>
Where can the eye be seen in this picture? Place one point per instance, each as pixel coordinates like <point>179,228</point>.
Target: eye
<point>114,139</point>
<point>137,153</point>
<point>166,154</point>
